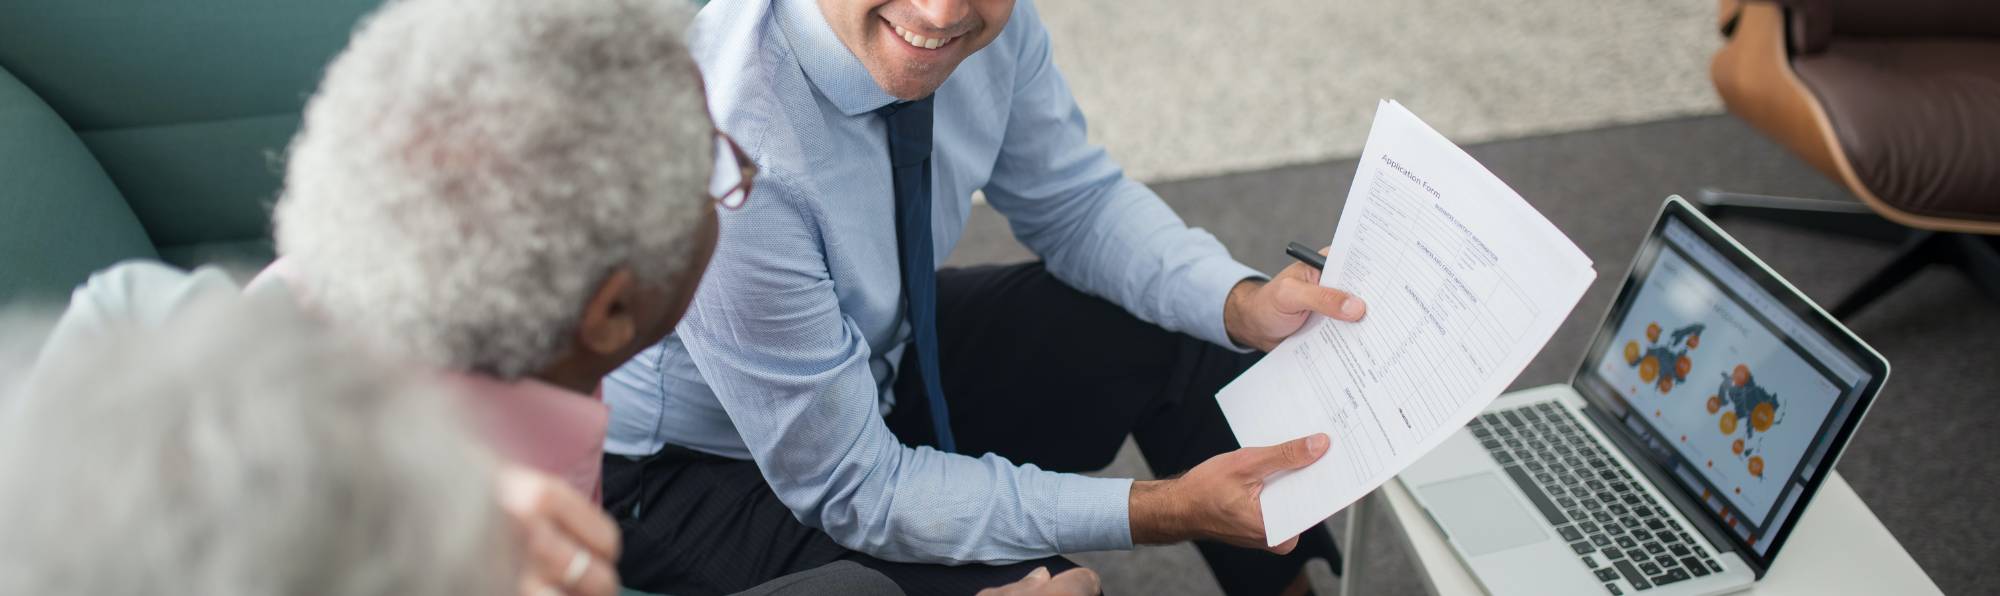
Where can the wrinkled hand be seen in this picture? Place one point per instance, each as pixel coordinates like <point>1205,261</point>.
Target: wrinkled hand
<point>1260,314</point>
<point>1218,500</point>
<point>555,525</point>
<point>1075,582</point>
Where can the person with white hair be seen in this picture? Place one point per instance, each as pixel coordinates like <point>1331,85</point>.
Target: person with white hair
<point>513,190</point>
<point>558,532</point>
<point>515,193</point>
<point>215,442</point>
<point>225,448</point>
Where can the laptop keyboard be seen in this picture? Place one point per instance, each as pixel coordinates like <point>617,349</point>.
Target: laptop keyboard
<point>1620,531</point>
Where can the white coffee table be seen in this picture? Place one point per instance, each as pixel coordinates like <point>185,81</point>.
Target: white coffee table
<point>1838,548</point>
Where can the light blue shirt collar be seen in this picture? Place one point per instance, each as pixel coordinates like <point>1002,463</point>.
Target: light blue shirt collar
<point>832,68</point>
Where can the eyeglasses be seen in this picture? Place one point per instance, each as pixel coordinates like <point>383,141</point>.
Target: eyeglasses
<point>729,184</point>
<point>734,170</point>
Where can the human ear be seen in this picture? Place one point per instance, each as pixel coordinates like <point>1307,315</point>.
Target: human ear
<point>609,320</point>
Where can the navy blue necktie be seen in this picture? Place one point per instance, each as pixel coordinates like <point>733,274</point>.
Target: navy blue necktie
<point>909,125</point>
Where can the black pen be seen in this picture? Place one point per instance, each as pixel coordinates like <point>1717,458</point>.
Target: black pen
<point>1305,254</point>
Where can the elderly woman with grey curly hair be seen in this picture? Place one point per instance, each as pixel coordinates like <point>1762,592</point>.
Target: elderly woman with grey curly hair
<point>515,192</point>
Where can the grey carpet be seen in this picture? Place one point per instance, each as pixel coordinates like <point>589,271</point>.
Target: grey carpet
<point>1925,458</point>
<point>1182,88</point>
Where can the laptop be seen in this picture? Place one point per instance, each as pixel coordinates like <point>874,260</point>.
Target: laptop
<point>1713,402</point>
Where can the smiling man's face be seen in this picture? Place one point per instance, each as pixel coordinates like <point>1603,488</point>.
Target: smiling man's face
<point>911,46</point>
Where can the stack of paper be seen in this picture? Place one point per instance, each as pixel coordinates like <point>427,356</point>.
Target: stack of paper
<point>1465,282</point>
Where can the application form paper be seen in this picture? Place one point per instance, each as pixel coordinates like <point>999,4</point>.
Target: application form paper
<point>1465,283</point>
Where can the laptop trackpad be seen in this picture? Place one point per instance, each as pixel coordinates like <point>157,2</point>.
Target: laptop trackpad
<point>1481,514</point>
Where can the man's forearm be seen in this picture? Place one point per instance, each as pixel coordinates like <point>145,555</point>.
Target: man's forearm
<point>1156,516</point>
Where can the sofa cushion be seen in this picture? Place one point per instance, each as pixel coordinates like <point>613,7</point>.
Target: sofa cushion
<point>188,106</point>
<point>60,215</point>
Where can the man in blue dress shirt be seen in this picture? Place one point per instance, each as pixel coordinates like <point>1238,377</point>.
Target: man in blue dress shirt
<point>832,395</point>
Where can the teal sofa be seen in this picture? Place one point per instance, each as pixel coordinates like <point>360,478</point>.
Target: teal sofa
<point>146,129</point>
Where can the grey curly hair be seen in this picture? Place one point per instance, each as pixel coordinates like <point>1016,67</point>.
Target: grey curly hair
<point>470,170</point>
<point>236,450</point>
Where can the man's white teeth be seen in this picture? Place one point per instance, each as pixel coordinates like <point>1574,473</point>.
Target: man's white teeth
<point>928,43</point>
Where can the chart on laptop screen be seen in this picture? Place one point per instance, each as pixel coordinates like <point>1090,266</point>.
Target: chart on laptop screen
<point>1740,405</point>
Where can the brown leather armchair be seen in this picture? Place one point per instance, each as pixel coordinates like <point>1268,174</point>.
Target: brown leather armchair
<point>1897,101</point>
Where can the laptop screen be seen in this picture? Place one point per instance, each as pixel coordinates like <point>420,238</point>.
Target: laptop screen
<point>1735,385</point>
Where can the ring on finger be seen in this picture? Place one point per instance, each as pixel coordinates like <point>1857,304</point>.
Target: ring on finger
<point>578,565</point>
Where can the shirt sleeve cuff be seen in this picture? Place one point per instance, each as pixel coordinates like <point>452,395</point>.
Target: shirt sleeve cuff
<point>1093,513</point>
<point>1211,281</point>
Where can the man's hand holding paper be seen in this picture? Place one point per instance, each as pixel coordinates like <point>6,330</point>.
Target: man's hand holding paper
<point>1260,314</point>
<point>1466,283</point>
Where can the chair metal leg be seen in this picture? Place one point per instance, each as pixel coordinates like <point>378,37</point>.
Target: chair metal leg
<point>1847,218</point>
<point>1977,257</point>
<point>1973,254</point>
<point>1918,252</point>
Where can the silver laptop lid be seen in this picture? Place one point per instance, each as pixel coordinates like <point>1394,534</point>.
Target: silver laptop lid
<point>1731,380</point>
